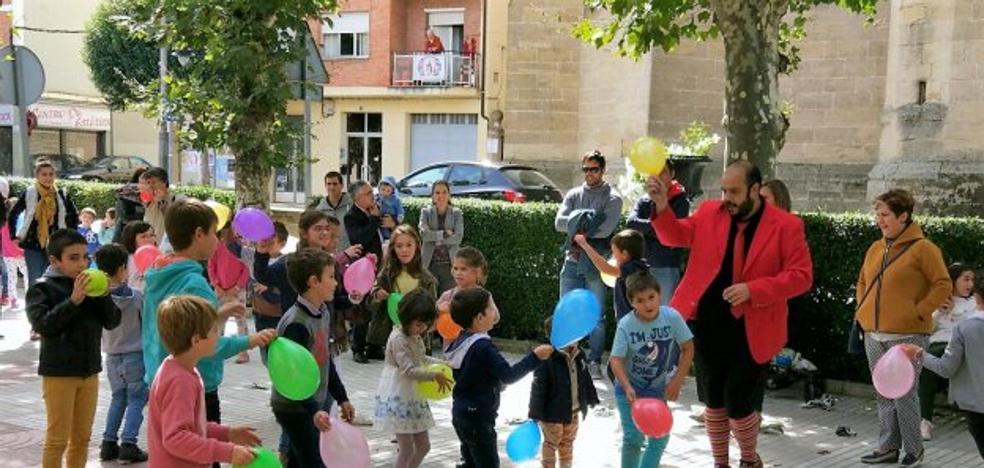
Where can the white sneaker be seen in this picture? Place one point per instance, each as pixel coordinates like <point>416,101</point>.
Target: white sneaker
<point>926,429</point>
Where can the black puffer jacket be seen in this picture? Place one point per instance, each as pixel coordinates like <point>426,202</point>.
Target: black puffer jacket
<point>550,396</point>
<point>70,334</point>
<point>128,208</point>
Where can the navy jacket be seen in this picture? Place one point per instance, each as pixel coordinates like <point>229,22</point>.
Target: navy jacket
<point>550,396</point>
<point>658,255</point>
<point>480,372</point>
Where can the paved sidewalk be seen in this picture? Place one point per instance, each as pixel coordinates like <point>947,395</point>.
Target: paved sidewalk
<point>809,439</point>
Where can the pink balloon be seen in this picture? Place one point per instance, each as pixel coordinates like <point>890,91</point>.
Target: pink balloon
<point>360,276</point>
<point>344,446</point>
<point>145,256</point>
<point>652,416</point>
<point>893,374</point>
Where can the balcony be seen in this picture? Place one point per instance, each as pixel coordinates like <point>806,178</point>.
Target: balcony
<point>443,70</point>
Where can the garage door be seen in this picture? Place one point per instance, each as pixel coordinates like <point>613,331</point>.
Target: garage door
<point>442,137</point>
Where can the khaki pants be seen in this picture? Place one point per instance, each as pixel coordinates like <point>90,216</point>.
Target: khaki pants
<point>559,438</point>
<point>70,404</point>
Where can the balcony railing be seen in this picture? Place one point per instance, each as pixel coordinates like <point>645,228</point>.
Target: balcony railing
<point>443,70</point>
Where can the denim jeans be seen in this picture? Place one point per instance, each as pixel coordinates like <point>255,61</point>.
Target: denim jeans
<point>668,279</point>
<point>37,262</point>
<point>479,443</point>
<point>125,372</point>
<point>583,275</point>
<point>304,439</point>
<point>632,440</point>
<point>3,278</point>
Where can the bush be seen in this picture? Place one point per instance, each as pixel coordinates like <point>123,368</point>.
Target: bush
<point>101,196</point>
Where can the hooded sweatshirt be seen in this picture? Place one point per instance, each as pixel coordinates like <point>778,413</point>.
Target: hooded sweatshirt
<point>944,321</point>
<point>126,337</point>
<point>480,372</point>
<point>606,210</point>
<point>168,277</point>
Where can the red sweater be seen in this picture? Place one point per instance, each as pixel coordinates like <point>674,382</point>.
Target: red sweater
<point>177,433</point>
<point>225,270</point>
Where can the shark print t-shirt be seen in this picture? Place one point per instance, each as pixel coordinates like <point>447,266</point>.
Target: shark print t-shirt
<point>646,349</point>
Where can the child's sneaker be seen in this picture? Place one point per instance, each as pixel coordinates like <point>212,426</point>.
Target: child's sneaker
<point>109,451</point>
<point>130,453</point>
<point>926,429</point>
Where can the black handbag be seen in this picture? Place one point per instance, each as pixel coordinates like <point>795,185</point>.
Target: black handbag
<point>855,338</point>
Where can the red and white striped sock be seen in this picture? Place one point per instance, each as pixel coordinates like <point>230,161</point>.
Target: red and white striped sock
<point>716,423</point>
<point>746,433</point>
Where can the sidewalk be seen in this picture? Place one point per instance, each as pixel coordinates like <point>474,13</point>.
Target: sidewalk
<point>808,441</point>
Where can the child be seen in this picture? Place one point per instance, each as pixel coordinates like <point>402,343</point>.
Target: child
<point>389,204</point>
<point>480,373</point>
<point>124,362</point>
<point>191,227</point>
<point>312,274</point>
<point>70,324</point>
<point>963,364</point>
<point>266,300</point>
<point>960,306</point>
<point>399,407</point>
<point>13,259</point>
<point>107,229</point>
<point>177,434</point>
<point>402,272</point>
<point>641,360</point>
<point>562,388</point>
<point>136,234</point>
<point>469,269</point>
<point>86,217</point>
<point>229,276</point>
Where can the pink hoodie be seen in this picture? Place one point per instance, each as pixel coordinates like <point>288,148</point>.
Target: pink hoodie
<point>9,249</point>
<point>177,434</point>
<point>225,270</point>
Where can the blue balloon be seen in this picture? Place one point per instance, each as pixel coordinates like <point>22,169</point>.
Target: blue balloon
<point>577,313</point>
<point>523,443</point>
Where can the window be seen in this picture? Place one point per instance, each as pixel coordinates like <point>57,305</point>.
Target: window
<point>466,174</point>
<point>426,178</point>
<point>346,35</point>
<point>449,25</point>
<point>364,135</point>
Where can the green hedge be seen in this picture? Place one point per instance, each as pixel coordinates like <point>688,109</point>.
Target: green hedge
<point>100,196</point>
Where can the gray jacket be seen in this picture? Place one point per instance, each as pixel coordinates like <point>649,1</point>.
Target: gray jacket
<point>963,364</point>
<point>125,338</point>
<point>337,212</point>
<point>431,235</point>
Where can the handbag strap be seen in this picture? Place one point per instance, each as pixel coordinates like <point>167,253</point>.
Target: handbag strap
<point>882,271</point>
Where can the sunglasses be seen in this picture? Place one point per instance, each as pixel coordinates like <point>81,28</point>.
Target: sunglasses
<point>590,169</point>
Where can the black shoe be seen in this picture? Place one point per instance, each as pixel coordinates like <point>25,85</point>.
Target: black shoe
<point>109,451</point>
<point>881,456</point>
<point>375,353</point>
<point>130,453</point>
<point>912,461</point>
<point>360,357</point>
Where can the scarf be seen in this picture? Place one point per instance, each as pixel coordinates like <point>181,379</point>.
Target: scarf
<point>44,212</point>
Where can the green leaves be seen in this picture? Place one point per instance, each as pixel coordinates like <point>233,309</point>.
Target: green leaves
<point>122,65</point>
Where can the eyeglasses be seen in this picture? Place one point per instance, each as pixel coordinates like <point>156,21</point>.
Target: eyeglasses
<point>590,169</point>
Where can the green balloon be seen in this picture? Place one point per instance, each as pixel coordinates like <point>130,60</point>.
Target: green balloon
<point>393,307</point>
<point>293,370</point>
<point>264,459</point>
<point>98,283</point>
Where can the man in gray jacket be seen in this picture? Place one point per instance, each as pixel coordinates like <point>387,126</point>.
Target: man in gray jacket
<point>336,204</point>
<point>592,209</point>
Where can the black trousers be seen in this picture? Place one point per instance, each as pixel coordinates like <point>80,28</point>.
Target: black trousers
<point>728,377</point>
<point>975,424</point>
<point>304,436</point>
<point>212,412</point>
<point>479,445</point>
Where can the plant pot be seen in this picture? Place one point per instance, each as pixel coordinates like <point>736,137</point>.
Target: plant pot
<point>688,171</point>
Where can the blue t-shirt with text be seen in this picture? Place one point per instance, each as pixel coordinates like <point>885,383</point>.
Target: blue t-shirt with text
<point>91,239</point>
<point>646,350</point>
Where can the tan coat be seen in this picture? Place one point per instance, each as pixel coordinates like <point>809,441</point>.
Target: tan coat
<point>912,287</point>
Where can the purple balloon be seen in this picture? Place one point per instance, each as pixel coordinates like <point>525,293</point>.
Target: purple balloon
<point>253,224</point>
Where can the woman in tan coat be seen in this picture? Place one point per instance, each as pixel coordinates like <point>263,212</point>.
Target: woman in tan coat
<point>903,280</point>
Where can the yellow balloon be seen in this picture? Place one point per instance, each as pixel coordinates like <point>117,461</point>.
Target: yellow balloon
<point>221,211</point>
<point>608,279</point>
<point>429,388</point>
<point>648,156</point>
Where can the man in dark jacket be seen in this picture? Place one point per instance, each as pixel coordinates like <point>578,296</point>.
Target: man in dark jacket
<point>362,222</point>
<point>664,262</point>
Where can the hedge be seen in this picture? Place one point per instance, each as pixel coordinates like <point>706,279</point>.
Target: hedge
<point>524,254</point>
<point>100,196</point>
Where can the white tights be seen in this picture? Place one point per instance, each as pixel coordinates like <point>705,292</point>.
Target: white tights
<point>413,448</point>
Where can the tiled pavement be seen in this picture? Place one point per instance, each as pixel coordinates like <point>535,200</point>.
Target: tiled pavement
<point>809,439</point>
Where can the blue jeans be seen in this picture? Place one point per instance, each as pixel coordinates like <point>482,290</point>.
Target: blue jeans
<point>125,372</point>
<point>479,446</point>
<point>583,275</point>
<point>3,277</point>
<point>668,279</point>
<point>37,262</point>
<point>632,439</point>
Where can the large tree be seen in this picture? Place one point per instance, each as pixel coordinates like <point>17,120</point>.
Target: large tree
<point>759,43</point>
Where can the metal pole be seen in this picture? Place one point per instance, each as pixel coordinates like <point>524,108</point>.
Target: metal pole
<point>21,141</point>
<point>164,143</point>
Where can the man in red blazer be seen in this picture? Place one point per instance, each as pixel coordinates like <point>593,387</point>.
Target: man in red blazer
<point>747,259</point>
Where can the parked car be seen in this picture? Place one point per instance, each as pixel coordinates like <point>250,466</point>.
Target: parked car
<point>108,169</point>
<point>62,162</point>
<point>510,182</point>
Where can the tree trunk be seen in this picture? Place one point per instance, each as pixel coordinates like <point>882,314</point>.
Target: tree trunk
<point>252,181</point>
<point>754,126</point>
<point>203,166</point>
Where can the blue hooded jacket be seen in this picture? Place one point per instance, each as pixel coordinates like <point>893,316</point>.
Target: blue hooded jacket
<point>182,277</point>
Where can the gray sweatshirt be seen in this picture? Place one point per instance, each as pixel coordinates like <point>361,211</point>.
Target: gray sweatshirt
<point>602,199</point>
<point>963,364</point>
<point>125,338</point>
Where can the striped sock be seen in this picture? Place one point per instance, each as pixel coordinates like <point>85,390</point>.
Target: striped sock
<point>716,423</point>
<point>746,433</point>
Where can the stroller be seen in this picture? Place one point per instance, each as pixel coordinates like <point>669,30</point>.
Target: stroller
<point>788,367</point>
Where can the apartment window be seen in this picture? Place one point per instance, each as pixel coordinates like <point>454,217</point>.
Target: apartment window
<point>364,134</point>
<point>449,25</point>
<point>346,35</point>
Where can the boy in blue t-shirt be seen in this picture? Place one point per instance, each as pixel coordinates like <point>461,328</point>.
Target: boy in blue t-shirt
<point>642,359</point>
<point>86,217</point>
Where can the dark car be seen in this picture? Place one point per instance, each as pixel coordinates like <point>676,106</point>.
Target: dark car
<point>108,169</point>
<point>509,182</point>
<point>64,163</point>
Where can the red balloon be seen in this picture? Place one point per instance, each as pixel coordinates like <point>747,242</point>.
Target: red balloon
<point>652,416</point>
<point>145,256</point>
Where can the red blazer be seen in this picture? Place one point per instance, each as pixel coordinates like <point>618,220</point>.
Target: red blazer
<point>778,267</point>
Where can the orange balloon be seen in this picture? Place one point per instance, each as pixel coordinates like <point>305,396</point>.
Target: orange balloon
<point>447,328</point>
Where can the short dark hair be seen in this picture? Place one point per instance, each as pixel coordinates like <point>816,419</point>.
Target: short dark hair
<point>130,232</point>
<point>959,268</point>
<point>632,242</point>
<point>304,264</point>
<point>310,217</point>
<point>63,239</point>
<point>137,174</point>
<point>638,282</point>
<point>334,175</point>
<point>280,231</point>
<point>110,258</point>
<point>417,305</point>
<point>595,156</point>
<point>467,304</point>
<point>181,318</point>
<point>899,201</point>
<point>156,173</point>
<point>184,218</point>
<point>752,173</point>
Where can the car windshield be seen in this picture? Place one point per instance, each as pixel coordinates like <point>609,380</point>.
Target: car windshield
<point>526,177</point>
